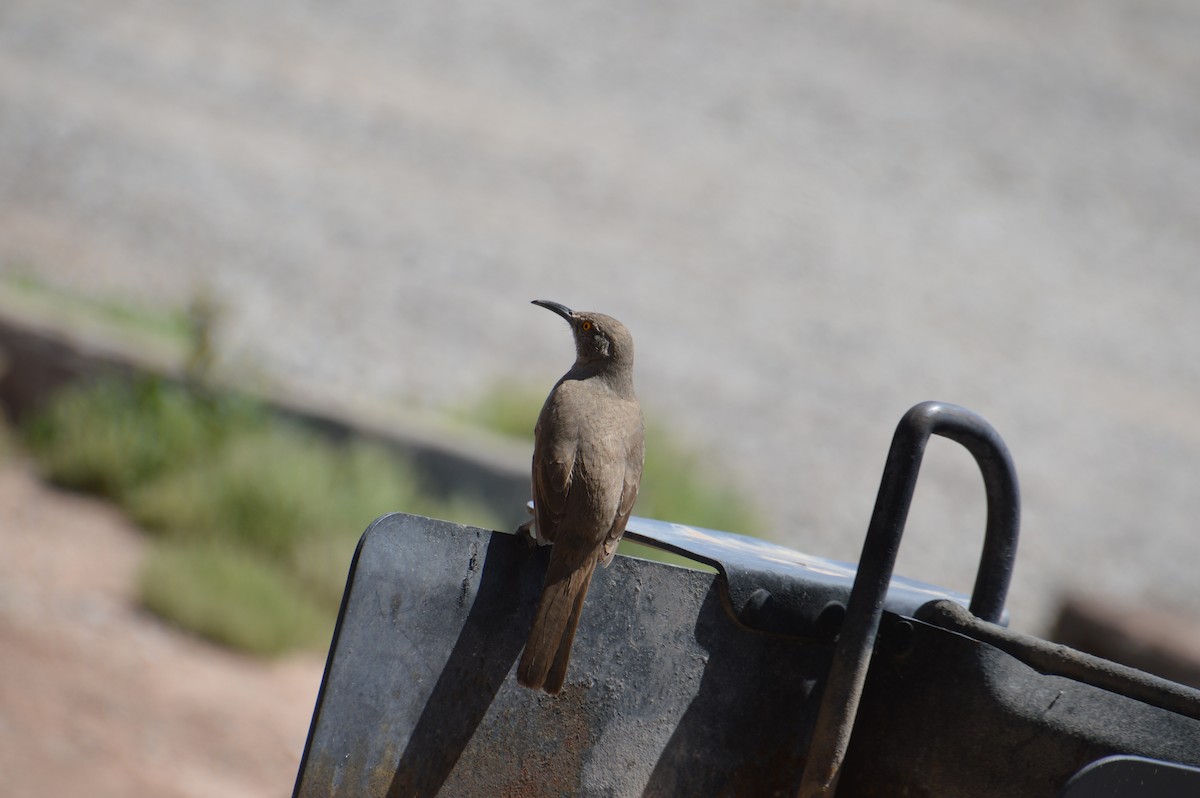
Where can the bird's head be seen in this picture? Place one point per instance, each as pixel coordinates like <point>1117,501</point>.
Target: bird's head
<point>599,340</point>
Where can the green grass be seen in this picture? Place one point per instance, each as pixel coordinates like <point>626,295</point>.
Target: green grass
<point>254,520</point>
<point>230,596</point>
<point>111,437</point>
<point>270,489</point>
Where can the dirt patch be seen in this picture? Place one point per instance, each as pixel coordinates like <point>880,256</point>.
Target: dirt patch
<point>98,698</point>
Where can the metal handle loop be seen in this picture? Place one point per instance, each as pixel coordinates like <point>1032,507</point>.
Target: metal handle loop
<point>852,654</point>
<point>1000,486</point>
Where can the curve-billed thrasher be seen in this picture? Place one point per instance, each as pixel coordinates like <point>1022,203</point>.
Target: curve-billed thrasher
<point>587,465</point>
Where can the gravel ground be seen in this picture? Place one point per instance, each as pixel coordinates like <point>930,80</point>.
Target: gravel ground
<point>811,215</point>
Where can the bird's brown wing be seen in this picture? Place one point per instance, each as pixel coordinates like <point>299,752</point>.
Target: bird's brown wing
<point>634,461</point>
<point>553,470</point>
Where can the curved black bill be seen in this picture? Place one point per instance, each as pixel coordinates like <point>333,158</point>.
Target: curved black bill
<point>557,307</point>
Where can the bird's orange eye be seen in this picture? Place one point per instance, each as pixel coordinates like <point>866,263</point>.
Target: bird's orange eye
<point>587,325</point>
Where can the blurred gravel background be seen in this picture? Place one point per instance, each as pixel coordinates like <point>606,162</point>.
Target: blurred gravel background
<point>811,215</point>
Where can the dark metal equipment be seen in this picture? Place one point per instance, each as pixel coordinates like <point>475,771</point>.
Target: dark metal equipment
<point>782,674</point>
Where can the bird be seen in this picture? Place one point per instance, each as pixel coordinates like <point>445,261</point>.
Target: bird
<point>588,453</point>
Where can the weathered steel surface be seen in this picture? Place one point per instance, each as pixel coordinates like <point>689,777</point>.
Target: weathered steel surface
<point>667,694</point>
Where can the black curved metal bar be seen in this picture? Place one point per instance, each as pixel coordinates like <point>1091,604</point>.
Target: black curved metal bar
<point>852,653</point>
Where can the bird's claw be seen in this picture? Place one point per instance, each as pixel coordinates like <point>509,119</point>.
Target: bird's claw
<point>525,532</point>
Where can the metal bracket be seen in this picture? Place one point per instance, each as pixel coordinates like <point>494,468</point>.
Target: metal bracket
<point>775,589</point>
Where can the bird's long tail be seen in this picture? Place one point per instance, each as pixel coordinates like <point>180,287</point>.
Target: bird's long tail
<point>548,649</point>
